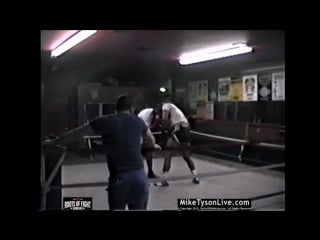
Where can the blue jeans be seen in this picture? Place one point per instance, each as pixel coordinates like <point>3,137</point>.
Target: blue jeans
<point>128,188</point>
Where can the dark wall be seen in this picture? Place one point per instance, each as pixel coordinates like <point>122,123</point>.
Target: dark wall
<point>60,89</point>
<point>60,96</point>
<point>143,96</point>
<point>59,99</point>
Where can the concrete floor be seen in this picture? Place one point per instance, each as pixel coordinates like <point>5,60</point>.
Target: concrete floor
<point>242,185</point>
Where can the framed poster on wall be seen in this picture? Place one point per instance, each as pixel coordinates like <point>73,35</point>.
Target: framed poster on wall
<point>250,87</point>
<point>210,110</point>
<point>198,91</point>
<point>236,90</point>
<point>202,90</point>
<point>224,89</point>
<point>264,85</point>
<point>278,86</point>
<point>201,109</point>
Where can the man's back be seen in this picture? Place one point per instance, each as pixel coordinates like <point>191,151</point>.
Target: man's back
<point>176,115</point>
<point>121,134</point>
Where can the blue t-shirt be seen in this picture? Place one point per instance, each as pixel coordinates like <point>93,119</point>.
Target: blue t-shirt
<point>121,135</point>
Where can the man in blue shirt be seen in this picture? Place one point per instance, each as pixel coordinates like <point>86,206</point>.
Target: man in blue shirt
<point>122,135</point>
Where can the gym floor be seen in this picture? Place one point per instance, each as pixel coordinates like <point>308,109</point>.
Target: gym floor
<point>240,186</point>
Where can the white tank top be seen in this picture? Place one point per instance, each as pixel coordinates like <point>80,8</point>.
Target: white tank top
<point>176,115</point>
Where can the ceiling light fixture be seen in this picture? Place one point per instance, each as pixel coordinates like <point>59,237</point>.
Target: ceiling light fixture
<point>163,89</point>
<point>214,53</point>
<point>72,41</point>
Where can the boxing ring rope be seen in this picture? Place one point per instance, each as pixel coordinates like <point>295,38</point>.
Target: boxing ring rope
<point>267,195</point>
<point>243,142</point>
<point>247,126</point>
<point>175,178</point>
<point>262,144</point>
<point>251,124</point>
<point>45,185</point>
<point>235,156</point>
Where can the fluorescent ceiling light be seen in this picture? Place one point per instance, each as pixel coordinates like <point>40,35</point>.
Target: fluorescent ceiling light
<point>71,42</point>
<point>214,53</point>
<point>62,38</point>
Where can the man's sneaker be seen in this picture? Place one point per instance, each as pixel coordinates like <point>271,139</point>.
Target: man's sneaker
<point>195,180</point>
<point>164,183</point>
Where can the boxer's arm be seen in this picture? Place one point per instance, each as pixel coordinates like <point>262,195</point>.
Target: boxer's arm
<point>151,140</point>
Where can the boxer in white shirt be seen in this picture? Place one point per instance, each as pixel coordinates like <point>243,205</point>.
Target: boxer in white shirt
<point>151,120</point>
<point>178,128</point>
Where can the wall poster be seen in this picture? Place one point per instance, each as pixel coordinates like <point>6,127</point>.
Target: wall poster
<point>250,87</point>
<point>236,90</point>
<point>264,86</point>
<point>198,91</point>
<point>278,86</point>
<point>224,89</point>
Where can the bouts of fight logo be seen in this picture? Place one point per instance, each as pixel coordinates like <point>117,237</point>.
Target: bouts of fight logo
<point>77,203</point>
